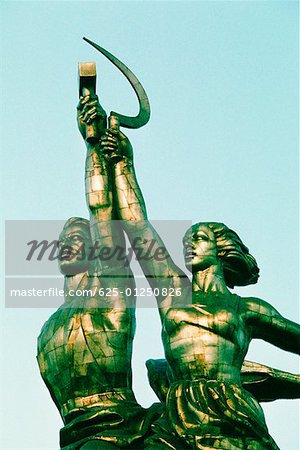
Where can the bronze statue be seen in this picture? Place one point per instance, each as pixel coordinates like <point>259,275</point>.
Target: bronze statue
<point>85,348</point>
<point>206,329</point>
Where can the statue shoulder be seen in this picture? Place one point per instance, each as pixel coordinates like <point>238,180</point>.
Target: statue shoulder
<point>255,308</point>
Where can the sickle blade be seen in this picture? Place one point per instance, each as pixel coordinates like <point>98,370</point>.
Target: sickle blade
<point>144,114</point>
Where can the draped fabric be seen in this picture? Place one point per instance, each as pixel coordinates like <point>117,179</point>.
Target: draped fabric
<point>209,414</point>
<point>120,421</point>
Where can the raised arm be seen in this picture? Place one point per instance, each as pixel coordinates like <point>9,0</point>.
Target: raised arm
<point>150,250</point>
<point>108,240</point>
<point>267,324</point>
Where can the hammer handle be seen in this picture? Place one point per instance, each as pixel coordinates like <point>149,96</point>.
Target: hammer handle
<point>90,128</point>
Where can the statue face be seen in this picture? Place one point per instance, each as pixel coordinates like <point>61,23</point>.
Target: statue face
<point>199,248</point>
<point>74,243</point>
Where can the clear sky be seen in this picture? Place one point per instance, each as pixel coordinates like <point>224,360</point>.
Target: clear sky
<point>222,145</point>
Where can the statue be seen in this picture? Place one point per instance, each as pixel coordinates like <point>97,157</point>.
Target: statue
<point>206,329</point>
<point>84,349</point>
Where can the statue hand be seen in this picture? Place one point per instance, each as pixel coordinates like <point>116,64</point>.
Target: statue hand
<point>116,146</point>
<point>90,111</point>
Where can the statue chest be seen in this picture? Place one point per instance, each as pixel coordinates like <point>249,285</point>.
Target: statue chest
<point>205,323</point>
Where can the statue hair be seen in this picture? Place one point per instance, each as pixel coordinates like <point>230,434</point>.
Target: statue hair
<point>239,266</point>
<point>80,221</point>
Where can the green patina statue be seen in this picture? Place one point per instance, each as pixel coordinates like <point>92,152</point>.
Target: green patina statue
<point>206,329</point>
<point>85,348</point>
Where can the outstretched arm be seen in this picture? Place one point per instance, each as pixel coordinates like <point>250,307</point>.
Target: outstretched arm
<point>150,250</point>
<point>267,324</point>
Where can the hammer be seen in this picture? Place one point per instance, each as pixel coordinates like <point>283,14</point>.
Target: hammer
<point>87,86</point>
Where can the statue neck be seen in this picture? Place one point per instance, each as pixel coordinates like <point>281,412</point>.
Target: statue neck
<point>210,280</point>
<point>73,282</point>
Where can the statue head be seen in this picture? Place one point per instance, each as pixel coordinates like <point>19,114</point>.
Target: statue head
<point>207,243</point>
<point>74,242</point>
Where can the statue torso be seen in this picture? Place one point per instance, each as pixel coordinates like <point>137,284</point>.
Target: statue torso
<point>84,349</point>
<point>206,339</point>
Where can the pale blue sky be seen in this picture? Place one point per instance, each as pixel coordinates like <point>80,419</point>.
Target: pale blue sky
<point>222,145</point>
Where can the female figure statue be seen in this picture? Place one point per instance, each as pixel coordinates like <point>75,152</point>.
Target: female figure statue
<point>85,348</point>
<point>206,329</point>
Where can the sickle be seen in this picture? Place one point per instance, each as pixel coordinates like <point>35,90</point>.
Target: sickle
<point>144,114</point>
